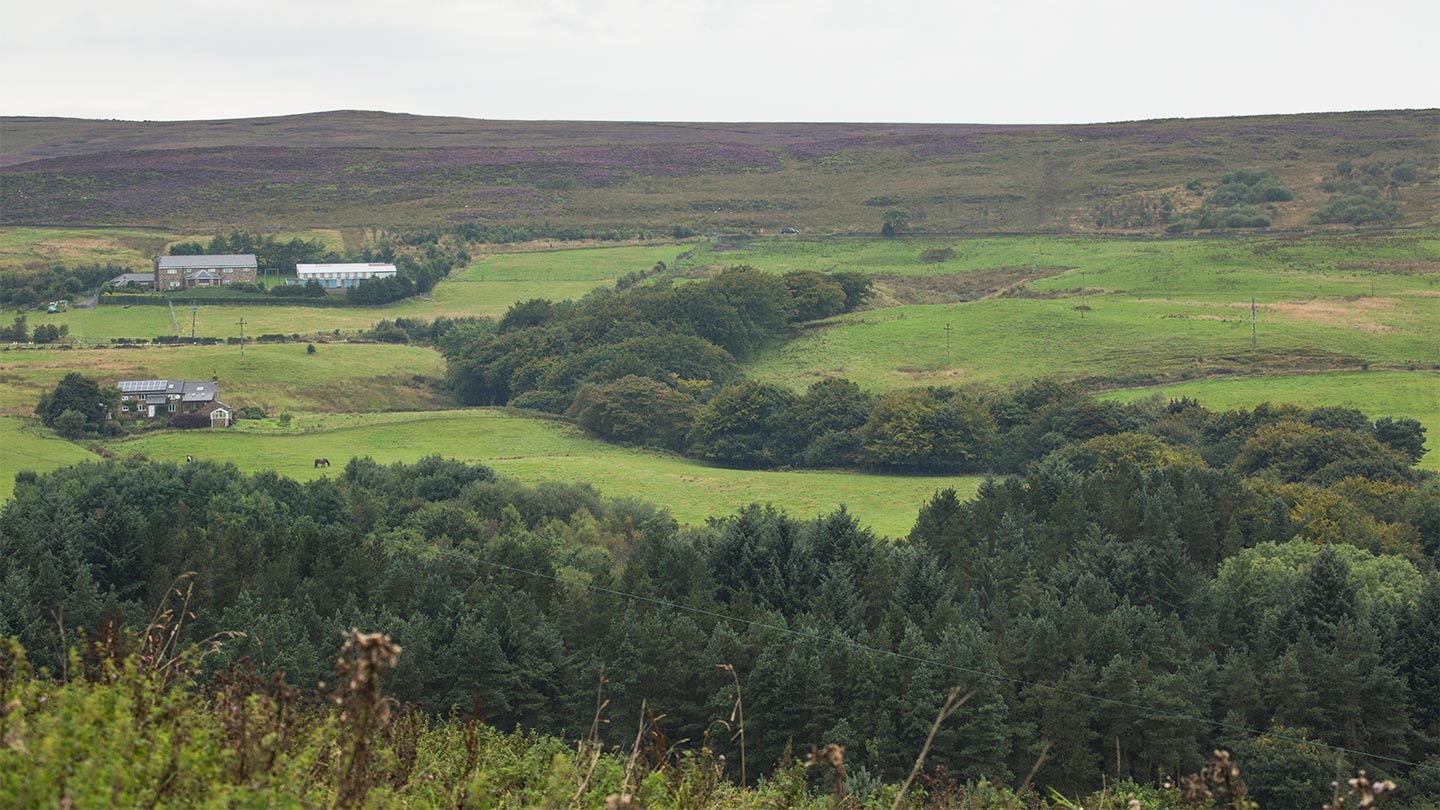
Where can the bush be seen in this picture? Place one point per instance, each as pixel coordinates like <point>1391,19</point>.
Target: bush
<point>70,424</point>
<point>190,421</point>
<point>545,401</point>
<point>251,412</point>
<point>1356,209</point>
<point>937,255</point>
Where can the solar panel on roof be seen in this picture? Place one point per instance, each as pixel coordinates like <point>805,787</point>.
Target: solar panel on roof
<point>132,386</point>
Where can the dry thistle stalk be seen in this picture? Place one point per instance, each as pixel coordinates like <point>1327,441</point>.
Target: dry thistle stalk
<point>363,708</point>
<point>1219,781</point>
<point>1362,792</point>
<point>831,757</point>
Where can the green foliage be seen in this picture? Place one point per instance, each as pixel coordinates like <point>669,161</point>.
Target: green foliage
<point>635,410</point>
<point>1357,209</point>
<point>813,296</point>
<point>1176,603</point>
<point>744,425</point>
<point>88,404</point>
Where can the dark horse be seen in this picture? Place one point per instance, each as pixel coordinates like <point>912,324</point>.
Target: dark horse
<point>322,462</point>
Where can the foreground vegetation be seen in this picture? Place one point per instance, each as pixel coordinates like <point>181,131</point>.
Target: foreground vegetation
<point>1108,616</point>
<point>240,741</point>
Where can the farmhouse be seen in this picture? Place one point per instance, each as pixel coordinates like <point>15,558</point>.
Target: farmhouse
<point>184,272</point>
<point>344,275</point>
<point>148,399</point>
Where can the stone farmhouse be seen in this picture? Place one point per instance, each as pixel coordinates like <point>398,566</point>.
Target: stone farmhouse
<point>149,399</point>
<point>185,272</point>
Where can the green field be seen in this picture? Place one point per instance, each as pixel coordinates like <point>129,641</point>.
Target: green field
<point>25,445</point>
<point>277,376</point>
<point>1214,268</point>
<point>534,450</point>
<point>487,287</point>
<point>1119,341</point>
<point>1377,393</point>
<point>1153,310</point>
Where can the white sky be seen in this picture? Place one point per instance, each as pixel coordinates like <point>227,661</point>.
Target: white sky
<point>981,61</point>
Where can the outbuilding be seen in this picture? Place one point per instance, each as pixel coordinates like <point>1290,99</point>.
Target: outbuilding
<point>344,275</point>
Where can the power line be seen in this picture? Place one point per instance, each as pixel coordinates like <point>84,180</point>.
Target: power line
<point>845,642</point>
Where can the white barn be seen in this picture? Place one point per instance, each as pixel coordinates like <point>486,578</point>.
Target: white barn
<point>343,275</point>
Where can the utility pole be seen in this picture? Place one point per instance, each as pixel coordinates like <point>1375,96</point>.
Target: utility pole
<point>1082,294</point>
<point>947,345</point>
<point>1252,323</point>
<point>194,308</point>
<point>241,323</point>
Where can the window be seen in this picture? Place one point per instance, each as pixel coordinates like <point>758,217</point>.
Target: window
<point>172,406</point>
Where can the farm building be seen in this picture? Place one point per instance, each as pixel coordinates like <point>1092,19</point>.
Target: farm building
<point>144,281</point>
<point>148,399</point>
<point>344,275</point>
<point>184,272</point>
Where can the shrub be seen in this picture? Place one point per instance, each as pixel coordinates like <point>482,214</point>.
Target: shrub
<point>937,255</point>
<point>251,412</point>
<point>1356,209</point>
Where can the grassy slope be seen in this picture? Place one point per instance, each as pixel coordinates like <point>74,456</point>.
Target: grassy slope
<point>1167,309</point>
<point>1377,393</point>
<point>534,450</point>
<point>338,377</point>
<point>25,445</point>
<point>487,287</point>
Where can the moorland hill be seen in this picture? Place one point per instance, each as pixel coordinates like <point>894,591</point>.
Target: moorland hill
<point>371,169</point>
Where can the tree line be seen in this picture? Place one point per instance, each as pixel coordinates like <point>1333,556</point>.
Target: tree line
<point>1124,613</point>
<point>658,363</point>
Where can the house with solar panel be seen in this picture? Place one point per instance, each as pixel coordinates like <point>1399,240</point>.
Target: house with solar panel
<point>152,399</point>
<point>186,272</point>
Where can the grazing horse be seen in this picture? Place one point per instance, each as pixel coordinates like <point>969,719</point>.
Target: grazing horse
<point>322,462</point>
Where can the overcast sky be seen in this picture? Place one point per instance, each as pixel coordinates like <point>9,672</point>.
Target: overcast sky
<point>983,61</point>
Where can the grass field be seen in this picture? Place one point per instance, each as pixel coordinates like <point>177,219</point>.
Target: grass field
<point>534,450</point>
<point>487,287</point>
<point>1377,393</point>
<point>1119,341</point>
<point>25,445</point>
<point>277,376</point>
<point>1211,268</point>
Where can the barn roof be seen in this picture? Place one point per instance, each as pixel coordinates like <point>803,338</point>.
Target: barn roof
<point>244,260</point>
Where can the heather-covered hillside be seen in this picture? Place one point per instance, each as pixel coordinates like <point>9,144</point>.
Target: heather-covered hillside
<point>378,169</point>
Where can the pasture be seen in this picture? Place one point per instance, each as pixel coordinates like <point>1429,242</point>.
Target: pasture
<point>486,288</point>
<point>26,445</point>
<point>1154,310</point>
<point>533,450</point>
<point>339,377</point>
<point>1119,342</point>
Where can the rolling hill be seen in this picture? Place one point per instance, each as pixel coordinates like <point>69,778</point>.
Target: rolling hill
<point>366,169</point>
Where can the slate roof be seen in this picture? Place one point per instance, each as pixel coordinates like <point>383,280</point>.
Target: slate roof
<point>245,260</point>
<point>199,391</point>
<point>138,278</point>
<point>156,391</point>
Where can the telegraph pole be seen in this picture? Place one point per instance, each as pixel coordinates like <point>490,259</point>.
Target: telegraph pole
<point>241,323</point>
<point>1082,294</point>
<point>194,308</point>
<point>1252,323</point>
<point>947,345</point>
